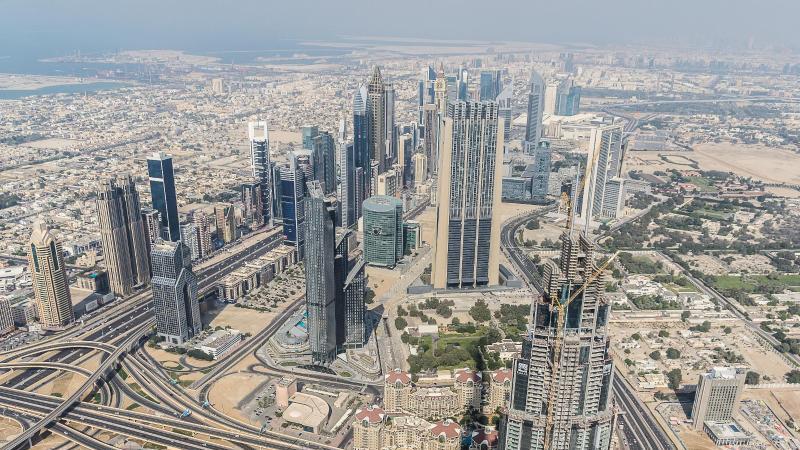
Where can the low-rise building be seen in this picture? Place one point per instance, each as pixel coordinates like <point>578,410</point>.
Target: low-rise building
<point>6,318</point>
<point>373,429</point>
<point>220,342</point>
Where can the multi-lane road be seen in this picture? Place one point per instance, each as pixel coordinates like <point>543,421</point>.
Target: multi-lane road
<point>636,422</point>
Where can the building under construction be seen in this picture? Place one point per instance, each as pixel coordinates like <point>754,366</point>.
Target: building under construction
<point>561,391</point>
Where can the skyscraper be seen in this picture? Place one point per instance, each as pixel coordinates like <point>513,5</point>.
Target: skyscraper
<point>491,83</point>
<point>573,101</point>
<point>348,185</point>
<point>555,96</point>
<point>308,133</point>
<point>405,148</point>
<point>162,190</point>
<point>542,156</point>
<point>293,181</point>
<point>324,155</point>
<point>391,128</point>
<point>226,222</point>
<point>603,164</point>
<point>425,93</point>
<point>505,101</point>
<point>470,176</point>
<point>377,119</point>
<point>253,209</point>
<point>355,308</point>
<point>174,293</point>
<point>191,239</point>
<point>717,395</point>
<point>49,278</point>
<point>320,281</point>
<point>420,164</point>
<point>152,226</point>
<point>262,166</point>
<point>561,387</point>
<point>383,230</point>
<point>125,244</point>
<point>430,139</point>
<point>533,128</point>
<point>202,224</point>
<point>361,141</point>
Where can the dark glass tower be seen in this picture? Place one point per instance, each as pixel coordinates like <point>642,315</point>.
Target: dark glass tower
<point>262,167</point>
<point>324,154</point>
<point>320,278</point>
<point>361,147</point>
<point>162,190</point>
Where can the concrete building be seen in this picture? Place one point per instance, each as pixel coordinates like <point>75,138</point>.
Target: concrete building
<point>604,163</point>
<point>284,390</point>
<point>374,429</point>
<point>412,236</point>
<point>220,342</point>
<point>468,386</point>
<point>25,313</point>
<point>566,405</point>
<point>174,285</point>
<point>252,206</point>
<point>49,279</point>
<point>261,164</point>
<point>383,230</point>
<point>202,224</point>
<point>162,192</point>
<point>6,317</point>
<point>320,281</point>
<point>191,239</point>
<point>717,395</point>
<point>125,244</point>
<point>308,411</point>
<point>540,180</point>
<point>470,176</point>
<point>420,164</point>
<point>151,222</point>
<point>226,222</point>
<point>368,428</point>
<point>396,390</point>
<point>388,183</point>
<point>377,117</point>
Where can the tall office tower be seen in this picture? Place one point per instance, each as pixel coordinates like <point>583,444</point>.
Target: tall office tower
<point>555,96</point>
<point>348,191</point>
<point>341,264</point>
<point>405,149</point>
<point>226,222</point>
<point>277,213</point>
<point>420,164</point>
<point>361,141</point>
<point>376,116</point>
<point>252,208</point>
<point>191,239</point>
<point>383,230</point>
<point>262,167</point>
<point>430,139</point>
<point>49,278</point>
<point>491,84</point>
<point>162,191</point>
<point>505,101</point>
<point>603,163</point>
<point>461,85</point>
<point>561,388</point>
<point>202,224</point>
<point>440,91</point>
<point>391,128</point>
<point>573,101</point>
<point>308,133</point>
<point>425,92</point>
<point>355,308</point>
<point>324,161</point>
<point>174,284</point>
<point>717,395</point>
<point>320,281</point>
<point>470,177</point>
<point>360,191</point>
<point>542,156</point>
<point>125,245</point>
<point>533,128</point>
<point>293,181</point>
<point>152,226</point>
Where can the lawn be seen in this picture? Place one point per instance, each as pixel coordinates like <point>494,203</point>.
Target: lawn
<point>750,282</point>
<point>703,184</point>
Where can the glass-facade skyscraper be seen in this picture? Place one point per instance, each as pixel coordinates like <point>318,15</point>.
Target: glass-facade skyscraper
<point>162,190</point>
<point>174,292</point>
<point>262,167</point>
<point>383,230</point>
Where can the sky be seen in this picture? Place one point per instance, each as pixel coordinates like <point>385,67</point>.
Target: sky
<point>56,27</point>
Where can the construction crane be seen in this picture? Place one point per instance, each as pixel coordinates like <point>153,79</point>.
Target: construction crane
<point>561,304</point>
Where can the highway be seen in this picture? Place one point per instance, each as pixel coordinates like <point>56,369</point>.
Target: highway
<point>638,425</point>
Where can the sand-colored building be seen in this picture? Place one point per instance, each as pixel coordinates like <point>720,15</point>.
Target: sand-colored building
<point>49,279</point>
<point>468,384</point>
<point>373,429</point>
<point>499,390</point>
<point>397,388</point>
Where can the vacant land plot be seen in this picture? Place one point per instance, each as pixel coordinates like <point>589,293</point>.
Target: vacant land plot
<point>751,283</point>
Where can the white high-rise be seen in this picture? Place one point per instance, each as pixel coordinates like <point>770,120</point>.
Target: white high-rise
<point>601,194</point>
<point>49,278</point>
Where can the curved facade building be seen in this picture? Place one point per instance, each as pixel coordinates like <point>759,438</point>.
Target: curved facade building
<point>383,230</point>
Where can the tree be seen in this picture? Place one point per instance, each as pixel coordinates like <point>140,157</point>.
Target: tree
<point>493,335</point>
<point>400,323</point>
<point>793,377</point>
<point>685,315</point>
<point>656,355</point>
<point>636,337</point>
<point>663,334</point>
<point>675,377</point>
<point>673,353</point>
<point>752,377</point>
<point>480,311</point>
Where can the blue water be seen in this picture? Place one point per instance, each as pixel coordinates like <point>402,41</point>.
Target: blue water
<point>62,89</point>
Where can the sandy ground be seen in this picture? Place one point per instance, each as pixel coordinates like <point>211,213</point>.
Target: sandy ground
<point>285,137</point>
<point>785,403</point>
<point>229,390</point>
<point>54,144</point>
<point>763,163</point>
<point>242,319</point>
<point>17,82</point>
<point>8,429</point>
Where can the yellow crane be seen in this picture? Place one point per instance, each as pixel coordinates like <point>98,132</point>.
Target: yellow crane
<point>561,305</point>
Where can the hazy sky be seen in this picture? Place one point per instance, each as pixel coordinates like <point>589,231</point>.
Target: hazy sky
<point>47,26</point>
